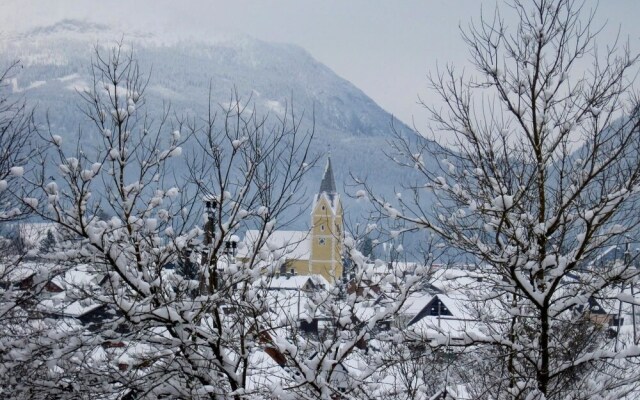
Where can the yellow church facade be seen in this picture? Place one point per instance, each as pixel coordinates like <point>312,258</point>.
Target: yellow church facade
<point>327,234</point>
<point>317,251</point>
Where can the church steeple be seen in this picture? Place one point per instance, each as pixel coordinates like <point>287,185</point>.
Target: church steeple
<point>328,183</point>
<point>326,229</point>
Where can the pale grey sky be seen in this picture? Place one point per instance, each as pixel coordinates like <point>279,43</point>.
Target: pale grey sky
<point>385,48</point>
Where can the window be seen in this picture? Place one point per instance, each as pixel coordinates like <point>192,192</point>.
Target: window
<point>322,227</point>
<point>309,327</point>
<point>437,308</point>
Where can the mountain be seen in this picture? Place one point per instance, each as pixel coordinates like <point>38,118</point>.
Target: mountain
<point>57,57</point>
<point>353,127</point>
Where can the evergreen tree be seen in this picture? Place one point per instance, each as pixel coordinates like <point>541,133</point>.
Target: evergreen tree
<point>366,247</point>
<point>48,243</point>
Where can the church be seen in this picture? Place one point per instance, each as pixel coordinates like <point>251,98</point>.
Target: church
<point>317,251</point>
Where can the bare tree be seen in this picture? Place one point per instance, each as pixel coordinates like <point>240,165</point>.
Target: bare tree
<point>149,331</point>
<point>158,297</point>
<point>18,142</point>
<point>543,173</point>
<point>17,133</point>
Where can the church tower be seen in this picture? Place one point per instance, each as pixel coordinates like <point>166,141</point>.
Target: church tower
<point>327,234</point>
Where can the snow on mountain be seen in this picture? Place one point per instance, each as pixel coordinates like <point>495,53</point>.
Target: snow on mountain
<point>274,74</point>
<point>270,76</point>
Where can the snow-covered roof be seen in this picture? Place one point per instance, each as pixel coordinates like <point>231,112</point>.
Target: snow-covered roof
<point>295,282</point>
<point>288,307</point>
<point>379,267</point>
<point>42,271</point>
<point>444,330</point>
<point>290,245</point>
<point>609,254</point>
<point>16,273</point>
<point>57,305</point>
<point>266,372</point>
<point>455,304</point>
<point>416,302</point>
<point>452,280</point>
<point>80,276</point>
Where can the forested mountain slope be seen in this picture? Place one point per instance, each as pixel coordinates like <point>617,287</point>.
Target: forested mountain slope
<point>268,76</point>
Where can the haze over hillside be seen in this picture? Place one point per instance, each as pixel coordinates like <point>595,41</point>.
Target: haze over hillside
<point>269,76</point>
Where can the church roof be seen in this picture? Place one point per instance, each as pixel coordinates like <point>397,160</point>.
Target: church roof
<point>328,184</point>
<point>291,245</point>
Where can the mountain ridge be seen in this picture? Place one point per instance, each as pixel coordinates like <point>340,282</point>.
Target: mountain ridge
<point>271,75</point>
<point>232,61</point>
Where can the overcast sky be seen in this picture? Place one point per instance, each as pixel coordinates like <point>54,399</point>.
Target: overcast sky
<point>384,48</point>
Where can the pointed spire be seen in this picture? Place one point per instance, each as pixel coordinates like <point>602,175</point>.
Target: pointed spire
<point>328,184</point>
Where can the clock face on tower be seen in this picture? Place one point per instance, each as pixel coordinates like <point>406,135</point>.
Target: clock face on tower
<point>321,241</point>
